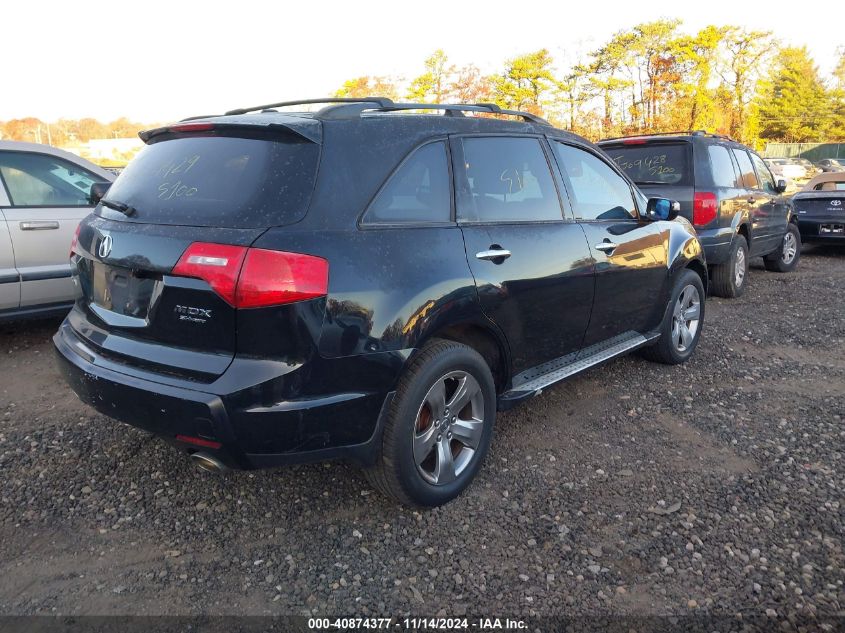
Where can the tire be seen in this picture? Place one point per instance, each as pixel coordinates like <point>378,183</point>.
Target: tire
<point>784,259</point>
<point>729,279</point>
<point>671,348</point>
<point>416,451</point>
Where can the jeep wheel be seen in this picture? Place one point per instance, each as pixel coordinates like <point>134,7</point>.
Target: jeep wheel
<point>438,427</point>
<point>729,279</point>
<point>681,327</point>
<point>785,258</point>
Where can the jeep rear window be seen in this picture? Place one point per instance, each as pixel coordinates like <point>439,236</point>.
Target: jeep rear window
<point>654,163</point>
<point>222,181</point>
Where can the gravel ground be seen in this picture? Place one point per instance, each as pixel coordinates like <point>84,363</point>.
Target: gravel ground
<point>632,489</point>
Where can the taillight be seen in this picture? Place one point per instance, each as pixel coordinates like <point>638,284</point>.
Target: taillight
<point>273,277</point>
<point>75,240</point>
<point>218,264</point>
<point>255,277</point>
<point>634,141</point>
<point>704,208</point>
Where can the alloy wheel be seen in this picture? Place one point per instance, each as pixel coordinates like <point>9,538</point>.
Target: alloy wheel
<point>448,428</point>
<point>739,268</point>
<point>790,248</point>
<point>686,318</point>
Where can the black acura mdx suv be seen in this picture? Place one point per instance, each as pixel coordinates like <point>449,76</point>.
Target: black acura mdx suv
<point>366,282</point>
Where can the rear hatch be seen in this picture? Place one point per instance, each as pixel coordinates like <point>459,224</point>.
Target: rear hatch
<point>661,168</point>
<point>159,263</point>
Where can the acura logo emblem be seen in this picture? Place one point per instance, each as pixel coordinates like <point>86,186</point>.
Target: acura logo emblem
<point>835,203</point>
<point>105,247</point>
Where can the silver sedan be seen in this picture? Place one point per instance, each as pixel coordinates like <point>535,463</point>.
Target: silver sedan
<point>44,193</point>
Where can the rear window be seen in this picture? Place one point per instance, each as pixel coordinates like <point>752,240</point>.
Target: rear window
<point>223,181</point>
<point>654,163</point>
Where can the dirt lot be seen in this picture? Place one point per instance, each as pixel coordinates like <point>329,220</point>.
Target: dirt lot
<point>632,489</point>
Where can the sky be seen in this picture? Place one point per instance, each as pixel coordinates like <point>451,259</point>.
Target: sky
<point>156,61</point>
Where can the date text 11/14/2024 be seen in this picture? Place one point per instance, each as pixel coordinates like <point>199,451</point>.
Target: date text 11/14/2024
<point>417,624</point>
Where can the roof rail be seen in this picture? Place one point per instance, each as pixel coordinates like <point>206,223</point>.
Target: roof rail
<point>353,110</point>
<point>678,133</point>
<point>379,101</point>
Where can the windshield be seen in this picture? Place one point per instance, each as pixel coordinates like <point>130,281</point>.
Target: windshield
<point>654,163</point>
<point>220,181</point>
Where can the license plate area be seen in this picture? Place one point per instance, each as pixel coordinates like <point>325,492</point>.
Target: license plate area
<point>120,290</point>
<point>832,229</point>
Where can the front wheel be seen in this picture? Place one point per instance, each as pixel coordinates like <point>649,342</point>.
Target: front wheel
<point>438,427</point>
<point>682,324</point>
<point>785,259</point>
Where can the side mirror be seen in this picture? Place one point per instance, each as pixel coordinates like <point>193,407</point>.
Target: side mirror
<point>662,209</point>
<point>98,190</point>
<point>780,187</point>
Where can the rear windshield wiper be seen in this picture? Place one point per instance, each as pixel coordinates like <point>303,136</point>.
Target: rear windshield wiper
<point>651,182</point>
<point>125,209</point>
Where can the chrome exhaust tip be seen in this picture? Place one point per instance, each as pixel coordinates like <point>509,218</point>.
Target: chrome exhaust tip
<point>208,463</point>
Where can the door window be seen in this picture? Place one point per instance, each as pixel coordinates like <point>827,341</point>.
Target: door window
<point>40,180</point>
<point>597,192</point>
<point>508,180</point>
<point>766,179</point>
<point>724,174</point>
<point>417,192</point>
<point>746,169</point>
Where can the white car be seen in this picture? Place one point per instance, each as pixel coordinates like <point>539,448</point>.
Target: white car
<point>44,193</point>
<point>786,168</point>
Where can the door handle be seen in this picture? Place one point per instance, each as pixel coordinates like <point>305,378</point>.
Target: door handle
<point>607,247</point>
<point>493,254</point>
<point>39,226</point>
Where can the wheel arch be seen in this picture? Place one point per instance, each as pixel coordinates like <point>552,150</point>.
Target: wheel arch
<point>701,270</point>
<point>485,340</point>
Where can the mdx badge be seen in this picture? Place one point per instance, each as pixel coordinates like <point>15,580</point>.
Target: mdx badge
<point>189,313</point>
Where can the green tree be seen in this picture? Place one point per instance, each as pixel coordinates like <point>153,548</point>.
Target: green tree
<point>794,104</point>
<point>695,98</point>
<point>575,90</point>
<point>433,85</point>
<point>525,81</point>
<point>744,56</point>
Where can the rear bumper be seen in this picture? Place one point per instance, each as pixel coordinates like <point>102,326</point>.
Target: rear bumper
<point>251,432</point>
<point>822,229</point>
<point>716,244</point>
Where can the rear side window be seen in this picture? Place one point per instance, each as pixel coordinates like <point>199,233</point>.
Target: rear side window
<point>40,180</point>
<point>745,169</point>
<point>223,181</point>
<point>763,173</point>
<point>654,163</point>
<point>724,174</point>
<point>509,181</point>
<point>597,192</point>
<point>418,191</point>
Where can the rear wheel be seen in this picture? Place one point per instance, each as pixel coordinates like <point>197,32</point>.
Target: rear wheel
<point>438,428</point>
<point>681,327</point>
<point>729,279</point>
<point>785,258</point>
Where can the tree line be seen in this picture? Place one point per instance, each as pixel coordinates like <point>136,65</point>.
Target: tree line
<point>650,78</point>
<point>66,132</point>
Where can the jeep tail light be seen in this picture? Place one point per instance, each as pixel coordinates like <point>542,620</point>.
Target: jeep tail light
<point>704,208</point>
<point>255,277</point>
<point>75,239</point>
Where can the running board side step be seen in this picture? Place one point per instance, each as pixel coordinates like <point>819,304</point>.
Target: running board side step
<point>532,381</point>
